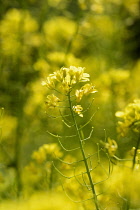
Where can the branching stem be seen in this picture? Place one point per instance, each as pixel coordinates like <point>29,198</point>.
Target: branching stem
<point>83,154</point>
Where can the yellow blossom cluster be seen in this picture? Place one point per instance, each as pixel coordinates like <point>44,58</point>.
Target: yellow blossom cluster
<point>67,77</point>
<point>46,152</point>
<point>130,118</point>
<point>64,80</point>
<point>52,101</point>
<point>85,90</point>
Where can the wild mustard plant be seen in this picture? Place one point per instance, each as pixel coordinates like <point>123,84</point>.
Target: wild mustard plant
<point>38,174</point>
<point>130,120</point>
<point>67,93</point>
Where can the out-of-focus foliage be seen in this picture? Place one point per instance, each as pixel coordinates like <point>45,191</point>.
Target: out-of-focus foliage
<point>38,38</point>
<point>130,117</point>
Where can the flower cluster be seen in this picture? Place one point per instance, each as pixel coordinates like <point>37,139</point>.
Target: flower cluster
<point>67,77</point>
<point>85,90</point>
<point>63,80</point>
<point>52,101</point>
<point>45,152</point>
<point>130,118</point>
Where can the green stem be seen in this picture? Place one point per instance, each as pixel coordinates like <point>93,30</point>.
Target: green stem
<point>84,155</point>
<point>133,166</point>
<point>135,152</point>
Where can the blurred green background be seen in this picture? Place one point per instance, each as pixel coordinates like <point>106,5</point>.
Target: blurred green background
<point>38,38</point>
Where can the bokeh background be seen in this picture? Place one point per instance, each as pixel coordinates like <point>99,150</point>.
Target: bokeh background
<point>38,38</point>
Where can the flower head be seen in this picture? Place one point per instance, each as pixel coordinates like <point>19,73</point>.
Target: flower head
<point>85,90</point>
<point>89,88</point>
<point>67,77</point>
<point>79,94</point>
<point>77,109</point>
<point>49,82</point>
<point>52,101</point>
<point>130,118</point>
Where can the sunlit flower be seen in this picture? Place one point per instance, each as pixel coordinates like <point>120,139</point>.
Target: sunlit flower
<point>43,83</point>
<point>78,109</point>
<point>79,74</point>
<point>79,94</point>
<point>49,82</point>
<point>67,77</point>
<point>52,101</point>
<point>130,118</point>
<point>58,75</point>
<point>88,88</point>
<point>85,90</point>
<point>119,114</point>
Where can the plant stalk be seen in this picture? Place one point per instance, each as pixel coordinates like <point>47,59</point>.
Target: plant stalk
<point>135,152</point>
<point>83,154</point>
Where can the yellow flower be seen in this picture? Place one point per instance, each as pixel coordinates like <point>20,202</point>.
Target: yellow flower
<point>79,94</point>
<point>67,77</point>
<point>119,114</point>
<point>85,90</point>
<point>49,82</point>
<point>88,88</point>
<point>130,118</point>
<point>52,101</point>
<point>77,109</point>
<point>78,73</point>
<point>58,75</point>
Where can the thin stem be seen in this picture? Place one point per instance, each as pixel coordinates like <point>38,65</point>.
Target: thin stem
<point>83,154</point>
<point>135,152</point>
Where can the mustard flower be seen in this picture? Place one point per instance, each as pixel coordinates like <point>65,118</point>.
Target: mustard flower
<point>79,94</point>
<point>49,82</point>
<point>58,75</point>
<point>79,74</point>
<point>52,101</point>
<point>77,109</point>
<point>67,77</point>
<point>130,118</point>
<point>85,90</point>
<point>88,88</point>
<point>71,76</point>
